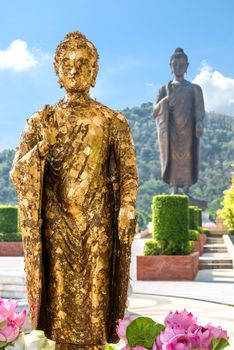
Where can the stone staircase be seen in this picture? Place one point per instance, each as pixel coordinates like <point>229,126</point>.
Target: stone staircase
<point>215,254</point>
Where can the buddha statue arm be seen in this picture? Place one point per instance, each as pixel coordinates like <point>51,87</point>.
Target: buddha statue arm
<point>126,165</point>
<point>161,102</point>
<point>35,141</point>
<point>27,175</point>
<point>199,110</point>
<point>28,146</point>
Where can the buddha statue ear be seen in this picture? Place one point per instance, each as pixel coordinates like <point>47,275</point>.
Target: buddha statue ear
<point>94,75</point>
<point>57,68</point>
<point>171,68</point>
<point>60,83</point>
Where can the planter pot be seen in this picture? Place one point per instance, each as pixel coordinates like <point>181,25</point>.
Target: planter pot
<point>198,246</point>
<point>167,267</point>
<point>11,249</point>
<point>202,242</point>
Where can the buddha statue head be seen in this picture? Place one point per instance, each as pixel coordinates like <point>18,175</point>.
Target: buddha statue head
<point>76,63</point>
<point>179,63</point>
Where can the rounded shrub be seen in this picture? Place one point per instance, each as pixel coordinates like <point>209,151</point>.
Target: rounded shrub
<point>174,248</point>
<point>194,235</point>
<point>8,218</point>
<point>151,248</point>
<point>170,219</point>
<point>154,247</point>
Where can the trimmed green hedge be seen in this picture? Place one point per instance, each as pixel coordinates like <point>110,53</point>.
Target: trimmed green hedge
<point>170,226</point>
<point>9,219</point>
<point>170,218</point>
<point>10,237</point>
<point>199,211</point>
<point>194,217</point>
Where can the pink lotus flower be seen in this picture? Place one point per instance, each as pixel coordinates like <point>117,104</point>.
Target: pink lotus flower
<point>193,333</point>
<point>157,345</point>
<point>7,309</point>
<point>18,318</point>
<point>181,333</point>
<point>179,342</point>
<point>168,334</point>
<point>201,337</point>
<point>217,332</point>
<point>127,347</point>
<point>10,320</point>
<point>9,333</point>
<point>122,327</point>
<point>180,320</point>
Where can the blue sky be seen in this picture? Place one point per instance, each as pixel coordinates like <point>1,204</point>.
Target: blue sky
<point>134,39</point>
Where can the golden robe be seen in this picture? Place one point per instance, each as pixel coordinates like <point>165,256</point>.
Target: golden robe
<point>76,256</point>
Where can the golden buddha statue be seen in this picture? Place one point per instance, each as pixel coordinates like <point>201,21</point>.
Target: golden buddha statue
<point>75,175</point>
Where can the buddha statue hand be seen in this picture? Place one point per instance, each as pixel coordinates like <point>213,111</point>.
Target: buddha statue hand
<point>199,129</point>
<point>126,225</point>
<point>171,95</point>
<point>49,140</point>
<point>49,132</point>
<point>43,148</point>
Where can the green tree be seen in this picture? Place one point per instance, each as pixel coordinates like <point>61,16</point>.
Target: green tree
<point>7,191</point>
<point>227,211</point>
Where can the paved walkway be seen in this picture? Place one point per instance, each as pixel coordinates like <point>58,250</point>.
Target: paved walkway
<point>210,285</point>
<point>210,297</point>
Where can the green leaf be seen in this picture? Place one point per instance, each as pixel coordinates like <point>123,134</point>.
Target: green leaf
<point>3,324</point>
<point>3,344</point>
<point>219,344</point>
<point>143,331</point>
<point>110,347</point>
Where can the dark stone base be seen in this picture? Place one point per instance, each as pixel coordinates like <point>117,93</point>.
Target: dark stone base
<point>198,203</point>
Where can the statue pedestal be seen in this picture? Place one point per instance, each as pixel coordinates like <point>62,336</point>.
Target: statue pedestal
<point>202,204</point>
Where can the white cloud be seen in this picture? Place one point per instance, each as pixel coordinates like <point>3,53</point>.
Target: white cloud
<point>218,90</point>
<point>17,57</point>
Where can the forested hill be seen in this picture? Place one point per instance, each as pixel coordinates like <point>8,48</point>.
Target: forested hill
<point>217,157</point>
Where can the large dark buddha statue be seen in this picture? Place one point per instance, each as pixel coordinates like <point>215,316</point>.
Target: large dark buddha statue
<point>179,112</point>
